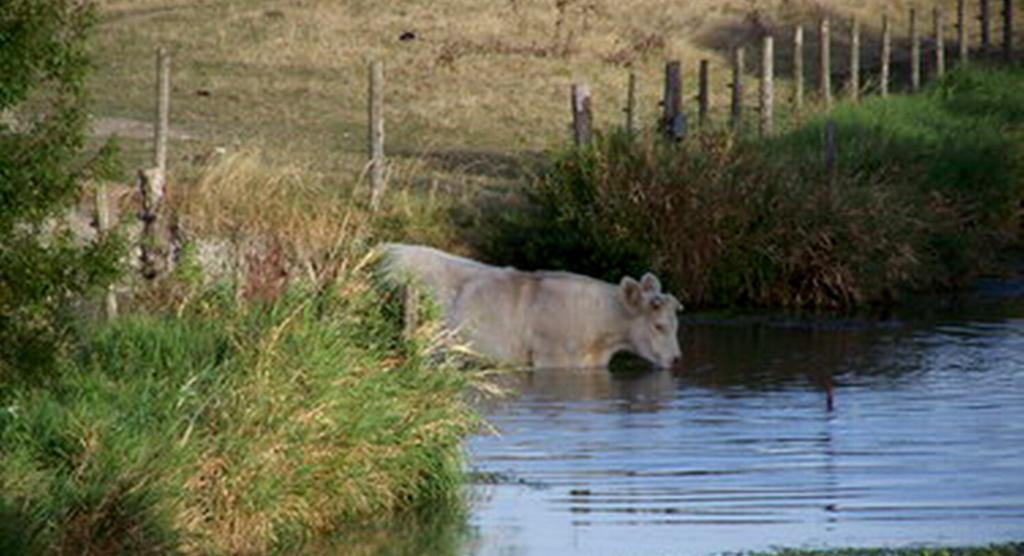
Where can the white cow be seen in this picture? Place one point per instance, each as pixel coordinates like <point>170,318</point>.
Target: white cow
<point>543,319</point>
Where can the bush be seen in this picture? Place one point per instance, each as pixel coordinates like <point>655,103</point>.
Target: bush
<point>928,189</point>
<point>43,60</point>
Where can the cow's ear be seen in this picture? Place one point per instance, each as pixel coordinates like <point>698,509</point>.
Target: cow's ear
<point>632,293</point>
<point>650,283</point>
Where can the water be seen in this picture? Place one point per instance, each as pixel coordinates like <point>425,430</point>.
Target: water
<point>739,450</point>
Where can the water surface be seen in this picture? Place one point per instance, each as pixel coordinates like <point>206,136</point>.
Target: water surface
<point>738,450</point>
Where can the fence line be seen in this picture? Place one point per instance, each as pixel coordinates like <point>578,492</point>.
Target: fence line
<point>673,118</point>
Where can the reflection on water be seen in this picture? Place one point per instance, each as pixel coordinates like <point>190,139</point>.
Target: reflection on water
<point>739,451</point>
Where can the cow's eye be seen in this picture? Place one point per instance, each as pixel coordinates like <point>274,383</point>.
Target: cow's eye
<point>659,327</point>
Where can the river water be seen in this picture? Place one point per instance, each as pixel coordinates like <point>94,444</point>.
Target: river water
<point>738,450</point>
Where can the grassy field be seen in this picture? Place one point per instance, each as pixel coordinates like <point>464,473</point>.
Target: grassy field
<point>472,99</point>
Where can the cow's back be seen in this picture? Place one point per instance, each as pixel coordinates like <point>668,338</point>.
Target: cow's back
<point>444,274</point>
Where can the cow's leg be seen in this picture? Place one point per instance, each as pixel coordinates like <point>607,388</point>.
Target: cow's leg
<point>550,359</point>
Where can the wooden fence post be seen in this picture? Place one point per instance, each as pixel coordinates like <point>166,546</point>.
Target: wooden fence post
<point>163,111</point>
<point>798,68</point>
<point>855,60</point>
<point>938,16</point>
<point>961,29</point>
<point>986,26</point>
<point>102,228</point>
<point>152,182</point>
<point>736,119</point>
<point>153,247</point>
<point>582,116</point>
<point>376,136</point>
<point>631,104</point>
<point>767,85</point>
<point>915,53</point>
<point>886,55</point>
<point>673,120</point>
<point>825,60</point>
<point>703,94</point>
<point>1008,31</point>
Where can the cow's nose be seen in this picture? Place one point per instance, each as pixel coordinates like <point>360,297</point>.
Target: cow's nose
<point>675,362</point>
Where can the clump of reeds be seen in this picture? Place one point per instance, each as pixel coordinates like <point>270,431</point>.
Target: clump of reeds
<point>232,429</point>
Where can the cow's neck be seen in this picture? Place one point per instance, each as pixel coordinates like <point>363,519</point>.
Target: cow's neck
<point>615,339</point>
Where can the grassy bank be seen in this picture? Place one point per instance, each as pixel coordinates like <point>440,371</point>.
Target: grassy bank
<point>927,191</point>
<point>229,429</point>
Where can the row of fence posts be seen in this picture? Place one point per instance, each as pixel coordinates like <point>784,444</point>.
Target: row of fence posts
<point>673,122</point>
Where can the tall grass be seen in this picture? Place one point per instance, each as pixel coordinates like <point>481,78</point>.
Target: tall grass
<point>231,429</point>
<point>928,189</point>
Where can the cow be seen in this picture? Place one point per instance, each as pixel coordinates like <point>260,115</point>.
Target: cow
<point>542,319</point>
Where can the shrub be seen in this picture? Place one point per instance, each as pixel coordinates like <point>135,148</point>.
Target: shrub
<point>926,193</point>
<point>44,61</point>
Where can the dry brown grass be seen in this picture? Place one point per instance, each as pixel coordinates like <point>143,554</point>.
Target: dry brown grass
<point>270,223</point>
<point>478,78</point>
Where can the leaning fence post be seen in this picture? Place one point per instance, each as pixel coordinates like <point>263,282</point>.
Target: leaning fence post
<point>736,112</point>
<point>153,248</point>
<point>798,68</point>
<point>825,61</point>
<point>102,228</point>
<point>631,104</point>
<point>1008,30</point>
<point>961,29</point>
<point>582,116</point>
<point>767,85</point>
<point>703,94</point>
<point>855,59</point>
<point>886,56</point>
<point>940,42</point>
<point>673,120</point>
<point>376,136</point>
<point>915,53</point>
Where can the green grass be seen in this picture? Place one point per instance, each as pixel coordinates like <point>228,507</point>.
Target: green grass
<point>231,428</point>
<point>927,192</point>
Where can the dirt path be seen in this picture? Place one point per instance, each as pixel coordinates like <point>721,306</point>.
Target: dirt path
<point>132,129</point>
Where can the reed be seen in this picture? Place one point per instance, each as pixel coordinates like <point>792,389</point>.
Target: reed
<point>232,428</point>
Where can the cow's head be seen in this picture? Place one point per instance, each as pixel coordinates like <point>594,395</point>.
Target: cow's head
<point>653,326</point>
